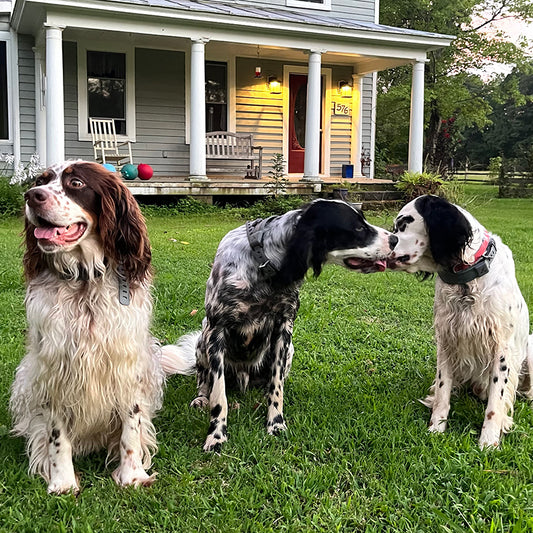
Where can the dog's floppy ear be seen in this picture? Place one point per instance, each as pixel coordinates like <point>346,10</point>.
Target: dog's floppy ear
<point>308,245</point>
<point>34,261</point>
<point>448,229</point>
<point>120,222</point>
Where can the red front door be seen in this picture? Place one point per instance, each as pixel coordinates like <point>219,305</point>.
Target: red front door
<point>297,108</point>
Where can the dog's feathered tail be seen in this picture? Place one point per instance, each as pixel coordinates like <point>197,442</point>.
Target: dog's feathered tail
<point>180,358</point>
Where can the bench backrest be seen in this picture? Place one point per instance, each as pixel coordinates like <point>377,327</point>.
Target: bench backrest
<point>227,145</point>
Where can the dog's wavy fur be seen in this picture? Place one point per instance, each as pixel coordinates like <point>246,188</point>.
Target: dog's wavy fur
<point>92,375</point>
<point>481,327</point>
<point>246,338</point>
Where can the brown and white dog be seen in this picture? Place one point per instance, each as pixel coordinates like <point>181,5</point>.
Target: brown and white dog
<point>481,319</point>
<point>92,376</point>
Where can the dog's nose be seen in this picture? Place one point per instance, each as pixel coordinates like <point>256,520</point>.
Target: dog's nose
<point>36,197</point>
<point>393,241</point>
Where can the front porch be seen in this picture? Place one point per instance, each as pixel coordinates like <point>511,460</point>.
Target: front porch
<point>368,191</point>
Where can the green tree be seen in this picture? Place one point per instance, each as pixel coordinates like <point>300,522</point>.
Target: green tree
<point>453,91</point>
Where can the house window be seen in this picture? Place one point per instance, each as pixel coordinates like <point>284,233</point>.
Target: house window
<point>310,4</point>
<point>216,96</point>
<point>106,87</point>
<point>4,115</point>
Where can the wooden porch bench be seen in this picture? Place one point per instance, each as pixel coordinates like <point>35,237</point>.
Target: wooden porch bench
<point>226,146</point>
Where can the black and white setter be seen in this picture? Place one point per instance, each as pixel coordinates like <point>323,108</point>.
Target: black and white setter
<point>252,298</point>
<point>92,376</point>
<point>481,319</point>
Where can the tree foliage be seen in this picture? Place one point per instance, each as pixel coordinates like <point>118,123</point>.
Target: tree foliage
<point>455,94</point>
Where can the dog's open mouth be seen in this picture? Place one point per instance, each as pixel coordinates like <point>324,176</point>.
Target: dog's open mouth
<point>366,266</point>
<point>59,235</point>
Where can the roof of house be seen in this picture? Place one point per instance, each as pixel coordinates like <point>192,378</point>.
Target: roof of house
<point>278,14</point>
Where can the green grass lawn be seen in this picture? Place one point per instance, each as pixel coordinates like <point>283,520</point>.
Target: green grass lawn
<point>357,455</point>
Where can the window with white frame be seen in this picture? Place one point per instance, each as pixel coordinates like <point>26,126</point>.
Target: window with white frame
<point>4,111</point>
<point>324,5</point>
<point>106,87</point>
<point>216,96</point>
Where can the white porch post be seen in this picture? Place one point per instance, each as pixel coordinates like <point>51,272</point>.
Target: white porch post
<point>55,115</point>
<point>40,116</point>
<point>312,120</point>
<point>416,126</point>
<point>197,166</point>
<point>357,125</point>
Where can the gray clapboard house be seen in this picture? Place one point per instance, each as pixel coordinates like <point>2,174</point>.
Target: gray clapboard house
<point>300,75</point>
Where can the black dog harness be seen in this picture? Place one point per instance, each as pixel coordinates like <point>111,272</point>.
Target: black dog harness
<point>255,231</point>
<point>463,272</point>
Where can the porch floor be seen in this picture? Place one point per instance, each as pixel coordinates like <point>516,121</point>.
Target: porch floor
<point>225,185</point>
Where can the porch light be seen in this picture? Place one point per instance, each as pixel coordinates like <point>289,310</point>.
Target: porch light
<point>345,89</point>
<point>274,85</point>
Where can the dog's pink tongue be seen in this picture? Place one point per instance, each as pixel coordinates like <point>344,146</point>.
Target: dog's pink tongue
<point>382,265</point>
<point>49,234</point>
<point>60,234</point>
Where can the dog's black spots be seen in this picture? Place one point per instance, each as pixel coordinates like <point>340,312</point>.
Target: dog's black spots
<point>50,440</point>
<point>212,427</point>
<point>224,429</point>
<point>402,222</point>
<point>276,404</point>
<point>278,419</point>
<point>511,325</point>
<point>216,448</point>
<point>272,388</point>
<point>55,434</point>
<point>503,368</point>
<point>440,374</point>
<point>490,332</point>
<point>214,361</point>
<point>501,393</point>
<point>505,380</point>
<point>502,359</point>
<point>216,411</point>
<point>277,393</point>
<point>490,415</point>
<point>495,379</point>
<point>441,384</point>
<point>216,436</point>
<point>269,401</point>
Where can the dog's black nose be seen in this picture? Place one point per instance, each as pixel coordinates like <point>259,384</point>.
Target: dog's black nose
<point>393,241</point>
<point>36,197</point>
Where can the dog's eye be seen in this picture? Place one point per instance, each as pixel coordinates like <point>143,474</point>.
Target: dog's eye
<point>39,181</point>
<point>76,183</point>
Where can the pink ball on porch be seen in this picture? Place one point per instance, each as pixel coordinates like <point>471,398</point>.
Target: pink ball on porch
<point>145,171</point>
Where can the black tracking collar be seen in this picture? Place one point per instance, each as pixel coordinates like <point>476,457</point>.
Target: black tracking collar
<point>478,269</point>
<point>255,234</point>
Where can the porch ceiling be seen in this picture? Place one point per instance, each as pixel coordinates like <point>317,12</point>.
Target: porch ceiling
<point>281,34</point>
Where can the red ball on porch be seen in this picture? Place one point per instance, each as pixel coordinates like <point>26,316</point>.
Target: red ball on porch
<point>145,171</point>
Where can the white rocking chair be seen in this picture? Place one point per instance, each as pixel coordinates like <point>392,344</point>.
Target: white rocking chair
<point>105,145</point>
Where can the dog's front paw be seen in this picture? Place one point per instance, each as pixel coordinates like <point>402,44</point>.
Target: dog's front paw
<point>489,439</point>
<point>136,477</point>
<point>437,425</point>
<point>276,426</point>
<point>200,402</point>
<point>214,442</point>
<point>63,486</point>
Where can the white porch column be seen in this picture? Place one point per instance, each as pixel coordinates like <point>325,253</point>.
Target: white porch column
<point>416,126</point>
<point>55,115</point>
<point>197,166</point>
<point>312,118</point>
<point>40,114</point>
<point>357,125</point>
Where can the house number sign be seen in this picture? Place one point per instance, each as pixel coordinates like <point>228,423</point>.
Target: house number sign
<point>340,109</point>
